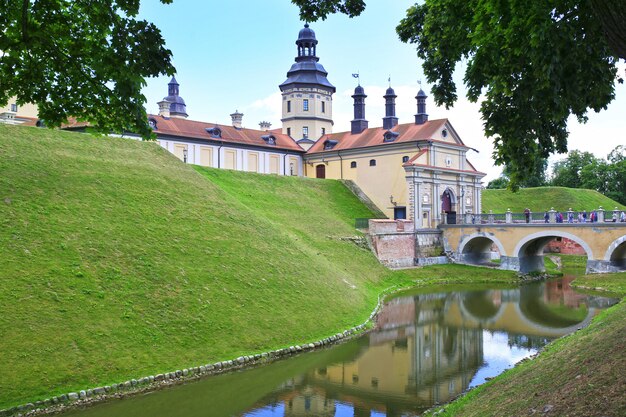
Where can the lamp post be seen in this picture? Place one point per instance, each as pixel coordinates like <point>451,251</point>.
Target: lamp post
<point>185,155</point>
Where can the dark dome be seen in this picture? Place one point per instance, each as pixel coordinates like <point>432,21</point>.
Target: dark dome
<point>359,90</point>
<point>306,34</point>
<point>390,92</point>
<point>421,93</point>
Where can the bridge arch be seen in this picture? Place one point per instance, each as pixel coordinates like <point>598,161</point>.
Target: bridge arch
<point>529,250</point>
<point>616,253</point>
<point>476,248</point>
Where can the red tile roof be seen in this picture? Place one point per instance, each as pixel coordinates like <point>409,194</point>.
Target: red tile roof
<point>185,128</point>
<point>408,132</point>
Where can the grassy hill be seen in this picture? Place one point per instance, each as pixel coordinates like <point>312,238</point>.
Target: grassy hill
<point>543,198</point>
<point>118,261</point>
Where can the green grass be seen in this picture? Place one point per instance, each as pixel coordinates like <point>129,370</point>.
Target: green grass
<point>578,375</point>
<point>544,198</point>
<point>118,261</point>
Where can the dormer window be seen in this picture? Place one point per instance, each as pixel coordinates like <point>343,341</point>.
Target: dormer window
<point>215,132</point>
<point>152,123</point>
<point>390,136</point>
<point>405,159</point>
<point>269,139</point>
<point>329,144</point>
<point>444,133</point>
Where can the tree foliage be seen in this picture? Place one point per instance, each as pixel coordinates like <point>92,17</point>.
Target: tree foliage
<point>81,59</point>
<point>567,172</point>
<point>499,183</point>
<point>532,64</point>
<point>584,170</point>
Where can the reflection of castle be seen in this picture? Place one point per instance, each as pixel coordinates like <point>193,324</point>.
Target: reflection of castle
<point>411,363</point>
<point>428,348</point>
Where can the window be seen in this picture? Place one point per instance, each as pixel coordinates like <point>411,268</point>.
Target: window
<point>305,104</point>
<point>353,164</point>
<point>444,133</point>
<point>14,107</point>
<point>288,131</point>
<point>405,159</point>
<point>292,170</point>
<point>289,106</point>
<point>323,107</point>
<point>305,132</point>
<point>323,131</point>
<point>152,123</point>
<point>372,162</point>
<point>215,132</point>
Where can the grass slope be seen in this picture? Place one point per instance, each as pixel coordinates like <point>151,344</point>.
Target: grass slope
<point>580,375</point>
<point>543,198</point>
<point>118,261</point>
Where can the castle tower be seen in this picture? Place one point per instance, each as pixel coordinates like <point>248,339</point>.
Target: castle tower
<point>421,117</point>
<point>390,120</point>
<point>177,106</point>
<point>359,123</point>
<point>307,94</point>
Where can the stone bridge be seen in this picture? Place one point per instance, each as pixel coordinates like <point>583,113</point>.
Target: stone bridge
<point>521,245</point>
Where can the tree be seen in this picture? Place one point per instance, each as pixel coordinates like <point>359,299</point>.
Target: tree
<point>567,172</point>
<point>607,177</point>
<point>535,177</point>
<point>499,183</point>
<point>531,63</point>
<point>81,59</point>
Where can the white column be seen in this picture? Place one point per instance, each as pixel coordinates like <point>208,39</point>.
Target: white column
<point>436,203</point>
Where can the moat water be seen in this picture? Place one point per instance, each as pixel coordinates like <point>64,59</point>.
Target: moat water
<point>427,349</point>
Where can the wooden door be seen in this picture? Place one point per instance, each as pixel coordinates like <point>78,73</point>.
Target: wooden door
<point>320,171</point>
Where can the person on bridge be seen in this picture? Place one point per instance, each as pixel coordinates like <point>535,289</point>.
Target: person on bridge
<point>570,216</point>
<point>546,217</point>
<point>584,216</point>
<point>622,217</point>
<point>527,215</point>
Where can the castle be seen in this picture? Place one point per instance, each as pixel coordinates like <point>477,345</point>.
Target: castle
<point>415,170</point>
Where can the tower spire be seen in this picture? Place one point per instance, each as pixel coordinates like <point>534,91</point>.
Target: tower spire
<point>421,117</point>
<point>359,123</point>
<point>390,120</point>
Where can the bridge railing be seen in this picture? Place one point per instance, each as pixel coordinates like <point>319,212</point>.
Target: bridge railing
<point>550,216</point>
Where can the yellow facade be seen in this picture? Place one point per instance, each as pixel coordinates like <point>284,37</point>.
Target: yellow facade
<point>206,156</point>
<point>24,110</point>
<point>230,159</point>
<point>384,182</point>
<point>253,162</point>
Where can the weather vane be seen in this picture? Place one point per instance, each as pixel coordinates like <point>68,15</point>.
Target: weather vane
<point>389,80</point>
<point>357,76</point>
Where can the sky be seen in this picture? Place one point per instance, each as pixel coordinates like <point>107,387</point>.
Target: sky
<point>232,55</point>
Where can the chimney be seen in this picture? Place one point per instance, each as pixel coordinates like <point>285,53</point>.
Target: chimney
<point>265,125</point>
<point>237,118</point>
<point>421,117</point>
<point>359,123</point>
<point>164,108</point>
<point>390,120</point>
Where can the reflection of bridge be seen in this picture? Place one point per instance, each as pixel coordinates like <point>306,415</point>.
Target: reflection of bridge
<point>521,245</point>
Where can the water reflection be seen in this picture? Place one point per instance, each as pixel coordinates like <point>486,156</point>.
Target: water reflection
<point>427,349</point>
